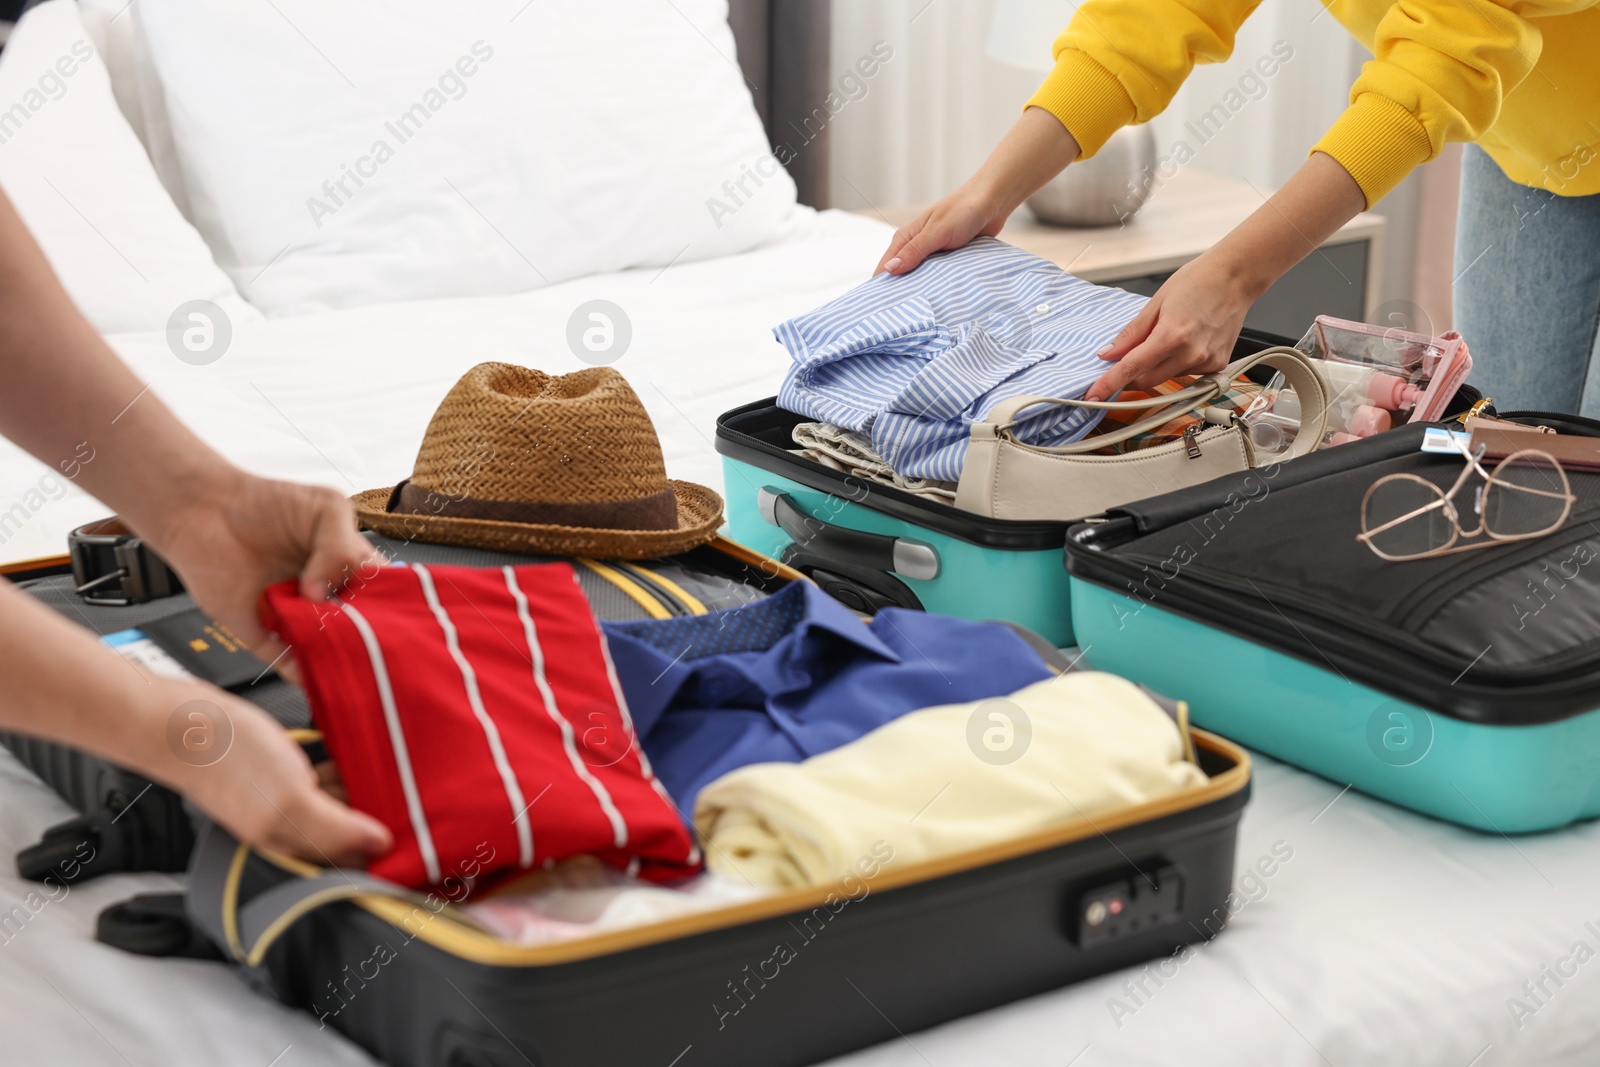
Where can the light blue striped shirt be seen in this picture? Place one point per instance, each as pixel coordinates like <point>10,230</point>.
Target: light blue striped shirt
<point>913,360</point>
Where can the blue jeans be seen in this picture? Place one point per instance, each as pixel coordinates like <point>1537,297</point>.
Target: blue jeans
<point>1527,291</point>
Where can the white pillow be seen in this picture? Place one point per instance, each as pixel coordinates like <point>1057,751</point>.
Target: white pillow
<point>116,34</point>
<point>85,188</point>
<point>338,154</point>
<point>112,36</point>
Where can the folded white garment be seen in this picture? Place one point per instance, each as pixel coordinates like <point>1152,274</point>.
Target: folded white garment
<point>582,897</point>
<point>947,778</point>
<point>851,452</point>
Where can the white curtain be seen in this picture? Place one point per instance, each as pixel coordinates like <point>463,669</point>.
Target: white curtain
<point>935,109</point>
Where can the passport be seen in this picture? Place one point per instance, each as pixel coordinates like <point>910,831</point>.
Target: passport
<point>207,649</point>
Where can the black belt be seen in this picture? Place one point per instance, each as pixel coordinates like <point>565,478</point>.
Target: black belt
<point>113,567</point>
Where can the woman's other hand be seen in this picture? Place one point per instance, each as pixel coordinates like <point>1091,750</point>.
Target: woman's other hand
<point>950,223</point>
<point>1190,325</point>
<point>1035,150</point>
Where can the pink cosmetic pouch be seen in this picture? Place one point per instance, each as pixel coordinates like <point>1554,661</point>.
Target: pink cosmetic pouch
<point>1437,365</point>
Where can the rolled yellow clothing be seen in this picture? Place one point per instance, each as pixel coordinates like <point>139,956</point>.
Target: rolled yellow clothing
<point>945,779</point>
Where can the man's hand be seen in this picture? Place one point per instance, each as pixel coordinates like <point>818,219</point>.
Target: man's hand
<point>231,545</point>
<point>242,769</point>
<point>229,757</point>
<point>228,534</point>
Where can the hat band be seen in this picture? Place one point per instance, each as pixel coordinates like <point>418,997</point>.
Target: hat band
<point>658,511</point>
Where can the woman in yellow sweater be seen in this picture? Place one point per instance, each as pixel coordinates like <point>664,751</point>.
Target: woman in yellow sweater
<point>1519,79</point>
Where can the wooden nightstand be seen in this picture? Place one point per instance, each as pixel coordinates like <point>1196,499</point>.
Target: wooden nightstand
<point>1184,217</point>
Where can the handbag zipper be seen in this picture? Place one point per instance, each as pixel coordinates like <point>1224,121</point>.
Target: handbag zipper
<point>1191,445</point>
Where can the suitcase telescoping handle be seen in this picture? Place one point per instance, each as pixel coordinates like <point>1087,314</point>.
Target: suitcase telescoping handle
<point>857,548</point>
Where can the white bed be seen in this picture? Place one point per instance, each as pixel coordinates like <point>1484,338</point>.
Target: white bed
<point>1387,938</point>
<point>341,398</point>
<point>1384,939</point>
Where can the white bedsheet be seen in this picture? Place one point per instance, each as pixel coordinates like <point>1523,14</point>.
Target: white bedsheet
<point>342,398</point>
<point>1385,939</point>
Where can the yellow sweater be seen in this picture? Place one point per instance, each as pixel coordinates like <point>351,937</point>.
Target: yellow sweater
<point>1522,79</point>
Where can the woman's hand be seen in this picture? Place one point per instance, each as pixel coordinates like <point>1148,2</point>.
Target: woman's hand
<point>237,763</point>
<point>229,545</point>
<point>952,222</point>
<point>1036,149</point>
<point>1188,327</point>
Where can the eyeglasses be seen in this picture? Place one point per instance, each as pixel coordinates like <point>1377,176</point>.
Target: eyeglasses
<point>1406,517</point>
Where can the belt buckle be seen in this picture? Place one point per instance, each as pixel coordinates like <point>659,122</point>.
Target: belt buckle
<point>135,574</point>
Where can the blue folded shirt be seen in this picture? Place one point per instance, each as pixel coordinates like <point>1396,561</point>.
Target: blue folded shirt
<point>795,675</point>
<point>913,360</point>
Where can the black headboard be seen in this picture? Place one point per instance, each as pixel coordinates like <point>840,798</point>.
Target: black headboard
<point>783,49</point>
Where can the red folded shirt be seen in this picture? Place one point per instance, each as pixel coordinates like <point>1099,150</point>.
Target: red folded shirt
<point>475,711</point>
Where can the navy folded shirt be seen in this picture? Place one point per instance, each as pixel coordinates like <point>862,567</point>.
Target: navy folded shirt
<point>796,675</point>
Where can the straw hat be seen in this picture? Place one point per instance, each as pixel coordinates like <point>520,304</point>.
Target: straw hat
<point>516,460</point>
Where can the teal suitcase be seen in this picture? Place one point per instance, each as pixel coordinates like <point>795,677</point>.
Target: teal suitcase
<point>874,546</point>
<point>1465,686</point>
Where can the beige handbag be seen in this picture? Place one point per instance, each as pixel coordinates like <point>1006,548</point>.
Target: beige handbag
<point>1004,478</point>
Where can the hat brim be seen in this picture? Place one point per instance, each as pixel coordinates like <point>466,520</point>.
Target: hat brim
<point>699,516</point>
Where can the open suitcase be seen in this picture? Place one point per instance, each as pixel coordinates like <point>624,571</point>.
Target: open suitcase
<point>873,545</point>
<point>781,981</point>
<point>129,824</point>
<point>787,979</point>
<point>1465,686</point>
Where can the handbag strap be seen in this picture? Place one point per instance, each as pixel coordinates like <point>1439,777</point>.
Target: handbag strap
<point>1296,368</point>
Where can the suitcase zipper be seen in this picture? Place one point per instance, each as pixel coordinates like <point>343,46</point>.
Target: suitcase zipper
<point>1267,625</point>
<point>1553,418</point>
<point>1413,610</point>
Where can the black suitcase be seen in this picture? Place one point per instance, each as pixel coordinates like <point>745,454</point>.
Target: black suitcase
<point>131,824</point>
<point>1465,686</point>
<point>780,981</point>
<point>784,980</point>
